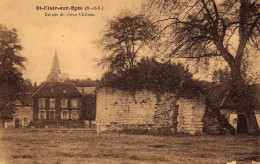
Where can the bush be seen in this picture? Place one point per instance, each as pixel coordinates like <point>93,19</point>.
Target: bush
<point>141,129</point>
<point>214,123</point>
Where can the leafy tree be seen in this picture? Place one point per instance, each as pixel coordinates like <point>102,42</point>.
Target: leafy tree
<point>124,38</point>
<point>221,75</point>
<point>207,29</point>
<point>152,75</point>
<point>85,82</point>
<point>12,85</point>
<point>89,110</point>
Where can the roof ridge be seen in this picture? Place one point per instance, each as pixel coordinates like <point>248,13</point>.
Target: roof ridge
<point>76,88</point>
<point>39,89</point>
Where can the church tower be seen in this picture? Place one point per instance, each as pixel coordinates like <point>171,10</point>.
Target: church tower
<point>55,70</point>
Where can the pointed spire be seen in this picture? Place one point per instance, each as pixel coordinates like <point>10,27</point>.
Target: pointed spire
<point>55,63</point>
<point>55,70</point>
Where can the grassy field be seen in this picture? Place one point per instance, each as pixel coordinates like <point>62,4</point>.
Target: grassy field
<point>51,146</point>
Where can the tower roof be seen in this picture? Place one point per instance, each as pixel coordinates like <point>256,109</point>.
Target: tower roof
<point>55,70</point>
<point>55,63</point>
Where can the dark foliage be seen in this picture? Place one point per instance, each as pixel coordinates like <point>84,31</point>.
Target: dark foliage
<point>89,110</point>
<point>12,85</point>
<point>221,75</point>
<point>214,123</point>
<point>152,75</point>
<point>85,82</point>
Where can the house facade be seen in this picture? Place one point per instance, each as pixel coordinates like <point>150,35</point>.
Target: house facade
<point>57,103</point>
<point>22,117</point>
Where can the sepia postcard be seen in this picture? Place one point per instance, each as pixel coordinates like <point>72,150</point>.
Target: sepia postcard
<point>129,81</point>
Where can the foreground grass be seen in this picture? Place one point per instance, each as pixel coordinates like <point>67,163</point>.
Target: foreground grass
<point>41,146</point>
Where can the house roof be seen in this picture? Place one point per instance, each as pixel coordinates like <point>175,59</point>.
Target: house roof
<point>219,94</point>
<point>57,89</point>
<point>87,90</point>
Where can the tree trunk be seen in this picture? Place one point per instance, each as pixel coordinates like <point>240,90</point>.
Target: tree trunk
<point>236,74</point>
<point>243,98</point>
<point>252,126</point>
<point>244,102</point>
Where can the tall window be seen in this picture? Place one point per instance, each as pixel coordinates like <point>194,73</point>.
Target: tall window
<point>42,115</point>
<point>52,115</point>
<point>74,115</point>
<point>74,103</point>
<point>64,114</point>
<point>26,121</point>
<point>52,103</point>
<point>41,102</point>
<point>64,103</point>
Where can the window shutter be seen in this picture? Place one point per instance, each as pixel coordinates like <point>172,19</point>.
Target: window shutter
<point>45,115</point>
<point>43,102</point>
<point>62,104</point>
<point>77,103</point>
<point>61,116</point>
<point>39,103</point>
<point>39,116</point>
<point>68,115</point>
<point>72,103</point>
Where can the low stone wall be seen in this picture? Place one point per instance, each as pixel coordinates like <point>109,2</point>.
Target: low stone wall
<point>166,112</point>
<point>116,108</point>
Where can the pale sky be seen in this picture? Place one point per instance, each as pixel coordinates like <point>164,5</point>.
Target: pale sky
<point>72,36</point>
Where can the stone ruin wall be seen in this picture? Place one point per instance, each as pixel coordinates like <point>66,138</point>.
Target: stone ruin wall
<point>119,107</point>
<point>115,107</point>
<point>190,114</point>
